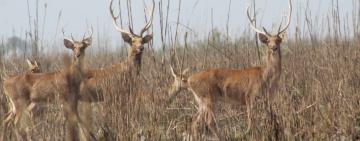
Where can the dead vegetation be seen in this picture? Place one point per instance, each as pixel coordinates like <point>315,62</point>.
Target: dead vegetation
<point>317,98</point>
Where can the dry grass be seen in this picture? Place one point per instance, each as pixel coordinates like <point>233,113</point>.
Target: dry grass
<point>317,98</point>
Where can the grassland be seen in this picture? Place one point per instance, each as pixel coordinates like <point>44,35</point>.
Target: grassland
<point>318,97</point>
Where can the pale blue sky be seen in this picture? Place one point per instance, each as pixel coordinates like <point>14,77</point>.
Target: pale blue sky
<point>77,14</point>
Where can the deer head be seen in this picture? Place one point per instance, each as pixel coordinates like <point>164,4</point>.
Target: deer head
<point>33,66</point>
<point>272,41</point>
<point>78,47</point>
<point>180,81</point>
<point>136,41</point>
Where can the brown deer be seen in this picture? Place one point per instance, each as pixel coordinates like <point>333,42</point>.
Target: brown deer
<point>27,90</point>
<point>33,65</point>
<point>231,85</point>
<point>90,90</point>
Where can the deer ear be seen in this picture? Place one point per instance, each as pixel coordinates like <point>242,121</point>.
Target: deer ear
<point>263,38</point>
<point>147,38</point>
<point>281,36</point>
<point>36,64</point>
<point>29,62</point>
<point>126,37</point>
<point>69,43</point>
<point>87,41</point>
<point>173,72</point>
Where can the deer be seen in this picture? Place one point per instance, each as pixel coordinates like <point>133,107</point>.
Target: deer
<point>34,67</point>
<point>234,86</point>
<point>24,92</point>
<point>90,91</point>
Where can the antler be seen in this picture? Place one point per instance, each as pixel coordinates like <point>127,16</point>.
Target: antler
<point>148,24</point>
<point>63,32</point>
<point>114,21</point>
<point>254,26</point>
<point>30,63</point>
<point>91,33</point>
<point>288,21</point>
<point>264,30</point>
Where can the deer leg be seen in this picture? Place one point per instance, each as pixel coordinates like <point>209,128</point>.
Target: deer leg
<point>8,117</point>
<point>210,122</point>
<point>11,114</point>
<point>74,120</point>
<point>70,108</point>
<point>30,108</point>
<point>14,117</point>
<point>18,107</point>
<point>249,107</point>
<point>86,118</point>
<point>195,125</point>
<point>199,117</point>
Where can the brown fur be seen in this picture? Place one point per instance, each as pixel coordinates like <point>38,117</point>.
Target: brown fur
<point>26,90</point>
<point>34,66</point>
<point>236,86</point>
<point>90,88</point>
<point>231,85</point>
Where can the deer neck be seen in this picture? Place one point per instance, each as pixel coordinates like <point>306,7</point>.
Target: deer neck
<point>77,66</point>
<point>134,62</point>
<point>272,68</point>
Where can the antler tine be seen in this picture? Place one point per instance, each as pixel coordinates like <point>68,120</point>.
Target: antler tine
<point>114,20</point>
<point>289,19</point>
<point>63,32</point>
<point>252,23</point>
<point>91,33</point>
<point>266,32</point>
<point>131,30</point>
<point>282,19</point>
<point>72,37</point>
<point>148,24</point>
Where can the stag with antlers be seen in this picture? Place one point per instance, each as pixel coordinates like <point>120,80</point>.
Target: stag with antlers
<point>231,85</point>
<point>90,89</point>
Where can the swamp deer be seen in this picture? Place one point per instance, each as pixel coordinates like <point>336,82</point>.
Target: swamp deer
<point>90,88</point>
<point>234,86</point>
<point>27,90</point>
<point>34,67</point>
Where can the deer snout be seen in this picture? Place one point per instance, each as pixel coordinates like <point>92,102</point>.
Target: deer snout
<point>139,50</point>
<point>274,48</point>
